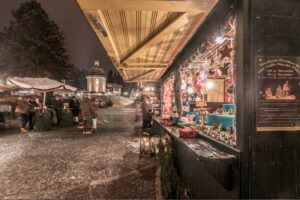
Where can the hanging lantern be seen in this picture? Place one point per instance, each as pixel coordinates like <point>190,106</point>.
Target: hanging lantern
<point>147,145</point>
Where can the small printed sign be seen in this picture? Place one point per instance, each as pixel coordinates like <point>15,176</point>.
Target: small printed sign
<point>278,93</point>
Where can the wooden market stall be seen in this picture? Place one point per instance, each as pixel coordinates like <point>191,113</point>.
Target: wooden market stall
<point>43,85</point>
<point>229,72</point>
<point>237,84</point>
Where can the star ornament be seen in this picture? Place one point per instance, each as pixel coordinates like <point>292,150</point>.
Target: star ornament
<point>225,52</point>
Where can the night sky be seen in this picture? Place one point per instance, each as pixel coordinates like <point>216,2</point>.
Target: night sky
<point>82,44</point>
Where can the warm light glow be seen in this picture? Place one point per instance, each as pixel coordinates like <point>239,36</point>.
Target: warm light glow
<point>210,85</point>
<point>202,76</point>
<point>220,40</point>
<point>190,90</point>
<point>148,89</point>
<point>97,63</point>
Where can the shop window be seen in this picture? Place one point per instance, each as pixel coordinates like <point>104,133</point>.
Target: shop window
<point>207,85</point>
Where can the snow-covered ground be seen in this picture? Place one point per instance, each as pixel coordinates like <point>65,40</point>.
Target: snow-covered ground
<point>120,101</point>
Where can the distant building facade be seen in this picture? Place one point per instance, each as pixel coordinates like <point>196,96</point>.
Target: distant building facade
<point>96,79</point>
<point>114,88</point>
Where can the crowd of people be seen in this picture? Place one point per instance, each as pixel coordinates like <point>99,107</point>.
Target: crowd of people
<point>83,112</point>
<point>26,108</point>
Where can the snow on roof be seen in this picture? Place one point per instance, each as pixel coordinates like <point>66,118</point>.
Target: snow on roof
<point>96,71</point>
<point>43,84</point>
<point>114,85</point>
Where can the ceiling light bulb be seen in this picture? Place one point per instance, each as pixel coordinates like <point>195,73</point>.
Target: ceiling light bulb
<point>220,40</point>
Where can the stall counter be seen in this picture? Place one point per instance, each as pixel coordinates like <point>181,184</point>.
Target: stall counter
<point>221,166</point>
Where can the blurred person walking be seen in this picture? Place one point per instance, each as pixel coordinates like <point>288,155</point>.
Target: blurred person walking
<point>22,109</point>
<point>146,114</point>
<point>87,112</point>
<point>96,105</point>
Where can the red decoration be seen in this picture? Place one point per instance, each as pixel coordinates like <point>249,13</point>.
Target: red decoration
<point>188,132</point>
<point>166,122</point>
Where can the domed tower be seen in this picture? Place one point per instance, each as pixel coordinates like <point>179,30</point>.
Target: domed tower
<point>96,79</point>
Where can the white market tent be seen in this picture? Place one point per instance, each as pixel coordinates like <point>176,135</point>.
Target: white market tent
<point>40,84</point>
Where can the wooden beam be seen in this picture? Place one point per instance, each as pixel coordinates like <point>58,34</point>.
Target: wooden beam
<point>110,37</point>
<point>186,38</point>
<point>160,33</point>
<point>141,68</point>
<point>146,64</point>
<point>143,80</point>
<point>191,6</point>
<point>141,75</point>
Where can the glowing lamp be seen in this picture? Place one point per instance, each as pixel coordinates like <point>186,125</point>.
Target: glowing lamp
<point>190,90</point>
<point>147,89</point>
<point>220,39</point>
<point>210,85</point>
<point>147,145</point>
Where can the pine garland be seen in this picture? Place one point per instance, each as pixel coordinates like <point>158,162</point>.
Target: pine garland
<point>43,121</point>
<point>171,184</point>
<point>66,119</point>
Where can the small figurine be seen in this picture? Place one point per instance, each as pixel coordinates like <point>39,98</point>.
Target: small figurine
<point>279,92</point>
<point>220,110</point>
<point>216,126</point>
<point>286,89</point>
<point>269,93</point>
<point>219,129</point>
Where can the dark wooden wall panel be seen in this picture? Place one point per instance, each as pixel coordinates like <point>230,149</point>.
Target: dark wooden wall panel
<point>275,31</point>
<point>197,178</point>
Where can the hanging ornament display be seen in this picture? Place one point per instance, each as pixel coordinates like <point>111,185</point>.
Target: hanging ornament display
<point>230,70</point>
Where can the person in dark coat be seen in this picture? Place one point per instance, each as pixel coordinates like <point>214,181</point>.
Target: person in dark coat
<point>2,119</point>
<point>75,106</point>
<point>58,105</point>
<point>146,114</point>
<point>32,104</point>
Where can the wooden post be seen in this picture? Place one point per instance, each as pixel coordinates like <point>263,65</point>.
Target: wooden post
<point>44,99</point>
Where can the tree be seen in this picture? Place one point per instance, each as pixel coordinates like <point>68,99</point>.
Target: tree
<point>79,80</point>
<point>110,77</point>
<point>33,45</point>
<point>118,78</point>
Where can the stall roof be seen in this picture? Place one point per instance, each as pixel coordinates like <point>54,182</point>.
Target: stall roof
<point>41,84</point>
<point>5,88</point>
<point>142,37</point>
